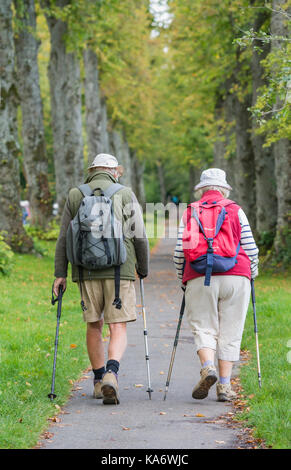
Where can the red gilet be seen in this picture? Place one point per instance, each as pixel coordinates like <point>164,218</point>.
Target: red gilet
<point>243,266</point>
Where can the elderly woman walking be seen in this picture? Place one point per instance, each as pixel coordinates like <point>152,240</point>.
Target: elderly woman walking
<point>215,258</point>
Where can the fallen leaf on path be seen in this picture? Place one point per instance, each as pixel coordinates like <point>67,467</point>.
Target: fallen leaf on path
<point>162,372</point>
<point>138,385</point>
<point>124,428</point>
<point>199,415</point>
<point>220,442</point>
<point>139,306</point>
<point>48,435</point>
<point>162,413</point>
<point>54,419</point>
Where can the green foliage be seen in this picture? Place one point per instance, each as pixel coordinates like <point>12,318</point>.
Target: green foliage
<point>50,233</point>
<point>265,242</point>
<point>267,407</point>
<point>6,256</point>
<point>272,109</point>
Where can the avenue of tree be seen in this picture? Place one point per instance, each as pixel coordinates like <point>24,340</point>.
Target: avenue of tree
<point>212,87</point>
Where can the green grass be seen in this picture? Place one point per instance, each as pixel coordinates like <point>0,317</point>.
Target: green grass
<point>28,323</point>
<point>270,408</point>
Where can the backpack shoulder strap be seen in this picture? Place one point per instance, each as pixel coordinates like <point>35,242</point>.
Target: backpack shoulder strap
<point>112,189</point>
<point>85,189</point>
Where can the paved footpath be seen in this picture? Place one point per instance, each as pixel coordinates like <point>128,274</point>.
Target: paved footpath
<point>138,423</point>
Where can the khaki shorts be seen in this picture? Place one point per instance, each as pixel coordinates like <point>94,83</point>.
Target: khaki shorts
<point>216,314</point>
<point>98,296</point>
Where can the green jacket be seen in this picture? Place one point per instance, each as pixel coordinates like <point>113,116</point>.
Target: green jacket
<point>137,248</point>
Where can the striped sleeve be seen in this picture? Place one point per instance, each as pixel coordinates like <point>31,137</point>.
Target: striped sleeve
<point>248,243</point>
<point>179,253</point>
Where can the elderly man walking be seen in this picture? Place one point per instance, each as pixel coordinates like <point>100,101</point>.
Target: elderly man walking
<point>215,258</point>
<point>107,293</point>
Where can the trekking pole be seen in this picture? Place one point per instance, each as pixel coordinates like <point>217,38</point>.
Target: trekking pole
<point>256,331</point>
<point>58,299</point>
<point>175,347</point>
<point>149,390</point>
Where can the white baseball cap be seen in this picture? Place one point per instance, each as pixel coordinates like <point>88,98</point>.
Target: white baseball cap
<point>105,160</point>
<point>213,177</point>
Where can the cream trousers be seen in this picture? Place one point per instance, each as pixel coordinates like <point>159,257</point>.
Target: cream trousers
<point>216,314</point>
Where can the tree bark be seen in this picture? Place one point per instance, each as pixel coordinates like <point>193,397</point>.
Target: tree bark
<point>105,146</point>
<point>161,176</point>
<point>224,154</point>
<point>266,201</point>
<point>137,181</point>
<point>282,149</point>
<point>193,180</point>
<point>65,90</point>
<point>10,213</point>
<point>34,148</point>
<point>120,149</point>
<point>245,167</point>
<point>93,104</point>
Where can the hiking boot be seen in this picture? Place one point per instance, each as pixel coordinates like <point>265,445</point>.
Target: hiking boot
<point>109,388</point>
<point>208,378</point>
<point>224,392</point>
<point>97,389</point>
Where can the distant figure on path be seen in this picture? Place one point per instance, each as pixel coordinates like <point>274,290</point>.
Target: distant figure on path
<point>108,292</point>
<point>215,258</point>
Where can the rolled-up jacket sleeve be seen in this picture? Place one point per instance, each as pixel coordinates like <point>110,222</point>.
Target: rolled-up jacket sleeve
<point>140,240</point>
<point>61,261</point>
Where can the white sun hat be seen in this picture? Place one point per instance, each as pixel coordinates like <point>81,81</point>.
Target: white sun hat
<point>104,159</point>
<point>213,177</point>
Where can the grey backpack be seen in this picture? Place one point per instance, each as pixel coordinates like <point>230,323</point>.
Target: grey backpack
<point>95,237</point>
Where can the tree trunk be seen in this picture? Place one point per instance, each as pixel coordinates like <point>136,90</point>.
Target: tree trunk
<point>245,167</point>
<point>119,148</point>
<point>162,182</point>
<point>105,146</point>
<point>266,201</point>
<point>224,151</point>
<point>10,213</point>
<point>282,151</point>
<point>193,180</point>
<point>34,149</point>
<point>93,104</point>
<point>64,77</point>
<point>137,182</point>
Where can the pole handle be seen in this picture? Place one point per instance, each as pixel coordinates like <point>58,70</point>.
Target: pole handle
<point>59,297</point>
